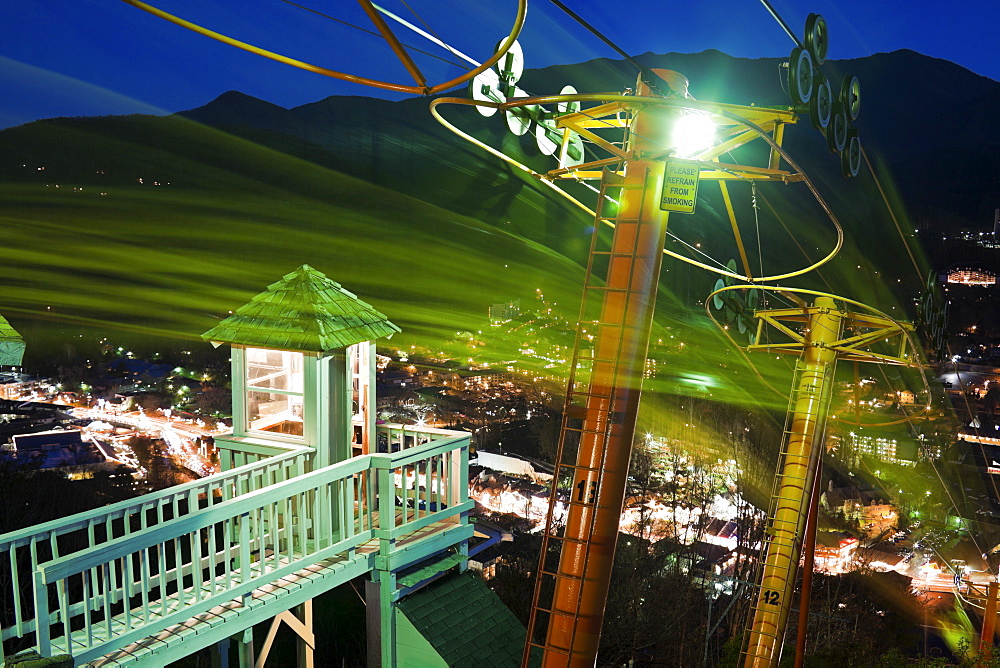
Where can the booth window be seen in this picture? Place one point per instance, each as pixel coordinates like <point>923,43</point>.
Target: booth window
<point>274,391</point>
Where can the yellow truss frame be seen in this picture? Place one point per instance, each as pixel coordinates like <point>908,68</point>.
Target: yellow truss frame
<point>849,348</point>
<point>617,114</point>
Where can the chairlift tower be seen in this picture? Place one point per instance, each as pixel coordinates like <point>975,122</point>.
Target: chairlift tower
<point>600,418</point>
<point>821,334</point>
<point>640,182</point>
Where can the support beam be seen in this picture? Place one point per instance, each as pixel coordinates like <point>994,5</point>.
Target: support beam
<point>802,449</point>
<point>373,623</point>
<point>220,654</point>
<point>301,623</point>
<point>387,618</point>
<point>724,189</point>
<point>380,619</point>
<point>808,563</point>
<point>244,644</point>
<point>394,44</point>
<point>306,639</point>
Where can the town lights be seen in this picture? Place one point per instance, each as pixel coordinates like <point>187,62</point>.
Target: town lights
<point>692,133</point>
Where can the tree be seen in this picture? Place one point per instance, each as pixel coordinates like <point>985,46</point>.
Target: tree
<point>544,430</point>
<point>145,450</point>
<point>214,400</point>
<point>151,402</point>
<point>868,612</point>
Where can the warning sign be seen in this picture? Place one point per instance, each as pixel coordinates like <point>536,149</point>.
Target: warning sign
<point>680,186</point>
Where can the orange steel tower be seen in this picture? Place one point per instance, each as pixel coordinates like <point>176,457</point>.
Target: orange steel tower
<point>600,419</point>
<point>613,332</point>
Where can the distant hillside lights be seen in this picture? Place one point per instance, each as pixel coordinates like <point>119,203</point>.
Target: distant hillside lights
<point>968,276</point>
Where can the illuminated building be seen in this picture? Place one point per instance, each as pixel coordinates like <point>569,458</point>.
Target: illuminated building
<point>63,450</point>
<point>969,276</point>
<point>873,518</point>
<point>884,448</point>
<point>834,553</point>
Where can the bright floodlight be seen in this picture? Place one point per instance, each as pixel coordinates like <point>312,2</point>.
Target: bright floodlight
<point>693,133</point>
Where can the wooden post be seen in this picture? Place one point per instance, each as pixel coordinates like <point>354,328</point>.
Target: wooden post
<point>244,644</point>
<point>989,622</point>
<point>373,623</point>
<point>220,654</point>
<point>305,639</point>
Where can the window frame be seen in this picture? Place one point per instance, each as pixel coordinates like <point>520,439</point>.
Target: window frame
<point>245,389</point>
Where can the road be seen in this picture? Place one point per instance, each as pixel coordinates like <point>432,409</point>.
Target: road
<point>179,435</point>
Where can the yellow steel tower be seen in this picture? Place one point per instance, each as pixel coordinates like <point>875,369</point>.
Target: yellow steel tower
<point>817,333</point>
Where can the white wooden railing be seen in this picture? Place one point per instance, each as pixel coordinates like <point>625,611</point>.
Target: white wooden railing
<point>25,550</point>
<point>249,451</point>
<point>392,437</point>
<point>389,437</point>
<point>110,594</point>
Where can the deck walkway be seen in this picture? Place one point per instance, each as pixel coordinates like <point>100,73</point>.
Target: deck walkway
<point>205,571</point>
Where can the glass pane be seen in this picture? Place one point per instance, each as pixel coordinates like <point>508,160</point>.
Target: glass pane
<point>274,369</point>
<point>281,413</point>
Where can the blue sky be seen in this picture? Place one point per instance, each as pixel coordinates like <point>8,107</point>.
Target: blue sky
<point>86,57</point>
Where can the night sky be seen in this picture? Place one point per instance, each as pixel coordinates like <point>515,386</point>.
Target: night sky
<point>88,57</point>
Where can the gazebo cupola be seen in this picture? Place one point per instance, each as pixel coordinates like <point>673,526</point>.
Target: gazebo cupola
<point>11,344</point>
<point>303,364</point>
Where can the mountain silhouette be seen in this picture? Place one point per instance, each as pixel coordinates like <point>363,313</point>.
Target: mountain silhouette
<point>927,124</point>
<point>930,121</point>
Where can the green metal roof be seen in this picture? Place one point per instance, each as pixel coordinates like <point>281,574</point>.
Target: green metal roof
<point>451,614</point>
<point>11,344</point>
<point>304,311</point>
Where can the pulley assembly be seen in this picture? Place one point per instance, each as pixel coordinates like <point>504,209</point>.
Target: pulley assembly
<point>808,87</point>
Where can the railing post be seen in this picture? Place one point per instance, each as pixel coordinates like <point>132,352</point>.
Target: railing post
<point>43,641</point>
<point>462,481</point>
<point>386,498</point>
<point>337,509</point>
<point>387,618</point>
<point>244,564</point>
<point>16,591</point>
<point>989,622</point>
<point>458,482</point>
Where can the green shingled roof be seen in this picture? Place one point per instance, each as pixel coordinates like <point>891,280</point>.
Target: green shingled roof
<point>304,311</point>
<point>465,622</point>
<point>11,344</point>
